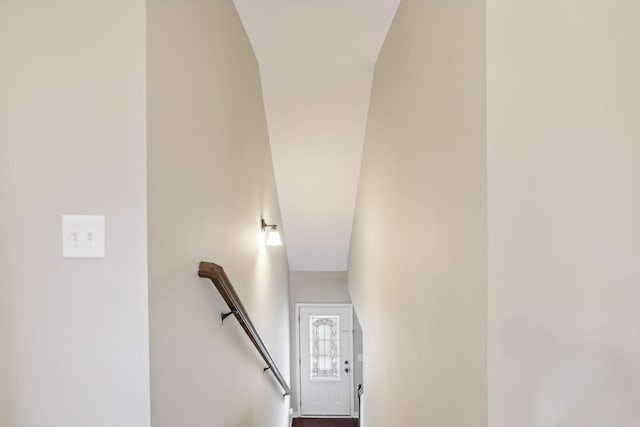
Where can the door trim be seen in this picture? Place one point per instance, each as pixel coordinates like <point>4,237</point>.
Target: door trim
<point>298,360</point>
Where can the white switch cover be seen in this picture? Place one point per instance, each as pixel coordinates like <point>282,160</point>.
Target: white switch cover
<point>83,236</point>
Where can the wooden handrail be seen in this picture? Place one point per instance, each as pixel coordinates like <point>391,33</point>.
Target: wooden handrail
<point>222,283</point>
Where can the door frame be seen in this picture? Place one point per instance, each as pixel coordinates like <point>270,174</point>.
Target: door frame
<point>298,360</point>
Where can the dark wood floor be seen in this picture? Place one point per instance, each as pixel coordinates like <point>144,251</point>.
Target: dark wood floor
<point>325,422</point>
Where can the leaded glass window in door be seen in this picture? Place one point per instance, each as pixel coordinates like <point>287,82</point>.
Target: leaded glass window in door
<point>325,347</point>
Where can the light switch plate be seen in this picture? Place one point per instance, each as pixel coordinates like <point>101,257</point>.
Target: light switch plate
<point>83,236</point>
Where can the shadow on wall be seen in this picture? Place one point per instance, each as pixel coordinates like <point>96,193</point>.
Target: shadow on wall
<point>572,382</point>
<point>247,419</point>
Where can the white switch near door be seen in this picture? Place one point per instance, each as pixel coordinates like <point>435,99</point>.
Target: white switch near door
<point>83,236</point>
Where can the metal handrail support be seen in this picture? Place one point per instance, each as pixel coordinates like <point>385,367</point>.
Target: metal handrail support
<point>360,390</point>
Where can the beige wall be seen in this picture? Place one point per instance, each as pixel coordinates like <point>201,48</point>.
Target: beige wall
<point>418,258</point>
<point>329,287</point>
<point>564,204</point>
<point>321,287</point>
<point>210,180</point>
<point>73,332</point>
<point>5,249</point>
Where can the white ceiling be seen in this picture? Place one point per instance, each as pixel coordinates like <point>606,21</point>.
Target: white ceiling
<point>350,31</point>
<point>316,63</point>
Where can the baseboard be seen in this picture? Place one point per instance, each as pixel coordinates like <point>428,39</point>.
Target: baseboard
<point>297,415</point>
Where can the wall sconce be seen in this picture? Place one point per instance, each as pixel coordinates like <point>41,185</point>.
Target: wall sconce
<point>273,235</point>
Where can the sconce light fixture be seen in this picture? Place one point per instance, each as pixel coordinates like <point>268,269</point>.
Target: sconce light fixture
<point>273,235</point>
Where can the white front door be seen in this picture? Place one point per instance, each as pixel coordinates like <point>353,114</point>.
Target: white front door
<point>326,335</point>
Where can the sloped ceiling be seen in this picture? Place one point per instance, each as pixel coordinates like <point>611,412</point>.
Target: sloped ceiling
<point>316,62</point>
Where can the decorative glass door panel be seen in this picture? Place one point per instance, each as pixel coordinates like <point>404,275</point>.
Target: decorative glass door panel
<point>325,374</point>
<point>325,347</point>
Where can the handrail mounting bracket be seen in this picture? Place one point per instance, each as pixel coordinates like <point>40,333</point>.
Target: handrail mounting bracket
<point>225,315</point>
